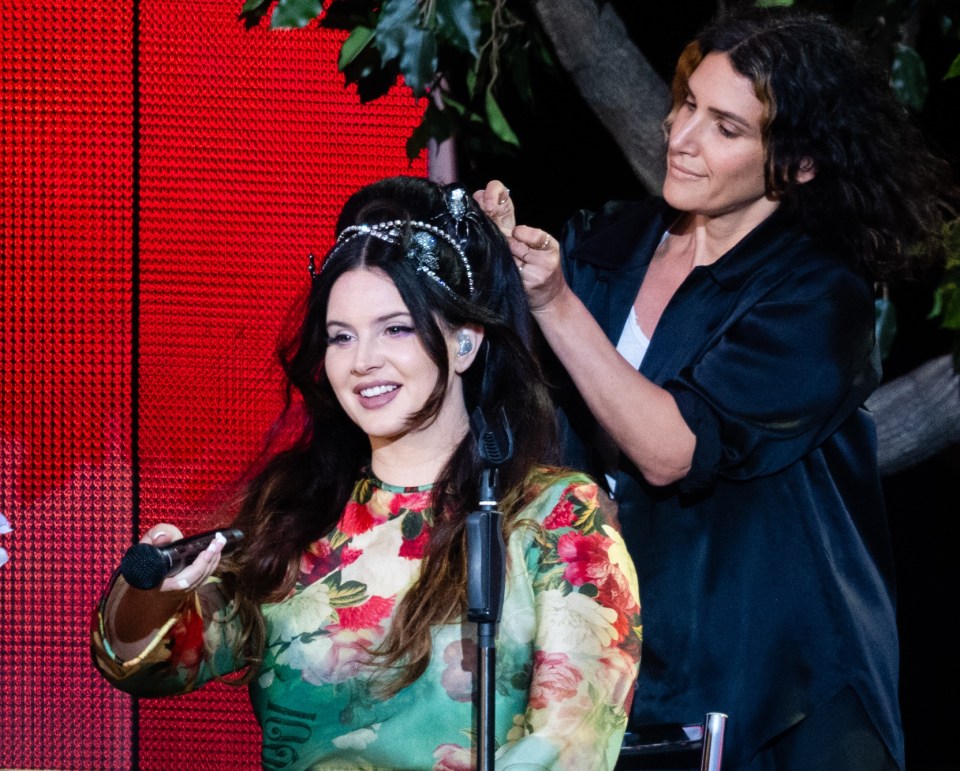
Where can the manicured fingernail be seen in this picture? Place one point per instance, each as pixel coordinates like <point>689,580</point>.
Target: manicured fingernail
<point>183,583</point>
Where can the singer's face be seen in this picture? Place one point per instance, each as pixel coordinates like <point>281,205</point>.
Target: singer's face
<point>378,368</point>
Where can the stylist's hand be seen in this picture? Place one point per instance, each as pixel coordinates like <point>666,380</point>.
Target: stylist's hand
<point>537,255</point>
<point>194,574</point>
<point>496,202</point>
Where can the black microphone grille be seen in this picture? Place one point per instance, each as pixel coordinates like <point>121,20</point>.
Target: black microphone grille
<point>143,566</point>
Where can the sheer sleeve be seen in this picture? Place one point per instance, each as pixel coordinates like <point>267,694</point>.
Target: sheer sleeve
<point>586,647</point>
<point>190,649</point>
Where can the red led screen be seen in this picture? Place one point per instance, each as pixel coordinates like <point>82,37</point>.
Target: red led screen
<point>166,173</point>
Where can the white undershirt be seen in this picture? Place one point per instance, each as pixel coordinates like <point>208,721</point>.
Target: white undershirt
<point>632,346</point>
<point>633,343</point>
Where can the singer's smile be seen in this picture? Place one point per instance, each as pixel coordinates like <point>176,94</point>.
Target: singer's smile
<point>380,371</point>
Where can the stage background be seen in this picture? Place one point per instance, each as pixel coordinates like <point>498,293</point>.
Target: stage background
<point>165,174</point>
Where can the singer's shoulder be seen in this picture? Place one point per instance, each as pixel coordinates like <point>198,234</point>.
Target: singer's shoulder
<point>570,506</point>
<point>548,487</point>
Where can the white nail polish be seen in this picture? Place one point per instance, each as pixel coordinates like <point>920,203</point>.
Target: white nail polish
<point>183,583</point>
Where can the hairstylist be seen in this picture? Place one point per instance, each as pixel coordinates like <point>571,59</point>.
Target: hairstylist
<point>719,344</point>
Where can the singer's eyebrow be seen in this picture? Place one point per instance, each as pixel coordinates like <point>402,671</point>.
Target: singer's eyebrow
<point>405,316</point>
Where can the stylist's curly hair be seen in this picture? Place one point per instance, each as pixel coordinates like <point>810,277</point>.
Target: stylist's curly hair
<point>828,108</point>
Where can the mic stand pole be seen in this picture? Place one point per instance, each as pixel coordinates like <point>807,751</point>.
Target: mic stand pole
<point>485,589</point>
<point>485,573</point>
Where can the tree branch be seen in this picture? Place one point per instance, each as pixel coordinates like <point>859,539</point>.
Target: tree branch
<point>613,77</point>
<point>917,414</point>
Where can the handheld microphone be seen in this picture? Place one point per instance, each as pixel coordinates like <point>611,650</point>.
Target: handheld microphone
<point>144,566</point>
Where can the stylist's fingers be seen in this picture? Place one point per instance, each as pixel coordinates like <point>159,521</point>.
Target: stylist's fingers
<point>542,247</point>
<point>496,202</point>
<point>538,259</point>
<point>494,195</point>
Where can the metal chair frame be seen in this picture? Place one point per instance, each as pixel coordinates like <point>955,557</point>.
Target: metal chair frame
<point>653,742</point>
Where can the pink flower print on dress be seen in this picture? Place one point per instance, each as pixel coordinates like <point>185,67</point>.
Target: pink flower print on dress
<point>562,516</point>
<point>453,757</point>
<point>358,518</point>
<point>460,656</point>
<point>369,615</point>
<point>555,679</point>
<point>586,557</point>
<point>411,502</point>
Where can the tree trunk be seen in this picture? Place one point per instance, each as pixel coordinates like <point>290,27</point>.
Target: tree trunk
<point>614,78</point>
<point>917,414</point>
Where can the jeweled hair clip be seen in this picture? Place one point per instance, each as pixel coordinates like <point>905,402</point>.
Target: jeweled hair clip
<point>422,247</point>
<point>458,213</point>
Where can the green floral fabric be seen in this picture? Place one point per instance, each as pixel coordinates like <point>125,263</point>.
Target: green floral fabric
<point>567,648</point>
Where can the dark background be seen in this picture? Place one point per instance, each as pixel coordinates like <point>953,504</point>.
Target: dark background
<point>569,162</point>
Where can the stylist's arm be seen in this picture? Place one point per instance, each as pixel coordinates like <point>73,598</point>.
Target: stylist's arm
<point>640,417</point>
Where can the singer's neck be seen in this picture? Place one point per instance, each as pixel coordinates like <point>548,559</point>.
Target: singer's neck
<point>415,458</point>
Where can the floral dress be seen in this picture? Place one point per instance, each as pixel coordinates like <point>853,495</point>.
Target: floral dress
<point>567,648</point>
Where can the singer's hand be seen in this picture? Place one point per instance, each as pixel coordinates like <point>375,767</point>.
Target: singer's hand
<point>133,616</point>
<point>495,200</point>
<point>194,574</point>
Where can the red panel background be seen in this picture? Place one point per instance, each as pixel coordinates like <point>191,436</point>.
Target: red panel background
<point>65,329</point>
<point>164,179</point>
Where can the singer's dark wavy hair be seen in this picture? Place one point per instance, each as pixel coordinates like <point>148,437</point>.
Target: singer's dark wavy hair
<point>877,188</point>
<point>299,493</point>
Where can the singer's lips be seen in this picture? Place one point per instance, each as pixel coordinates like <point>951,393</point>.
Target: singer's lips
<point>377,390</point>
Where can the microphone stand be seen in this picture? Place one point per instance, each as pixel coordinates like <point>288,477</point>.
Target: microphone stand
<point>485,577</point>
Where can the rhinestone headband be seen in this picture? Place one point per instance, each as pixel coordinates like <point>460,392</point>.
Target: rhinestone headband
<point>421,247</point>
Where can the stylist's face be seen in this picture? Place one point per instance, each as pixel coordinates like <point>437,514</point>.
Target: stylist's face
<point>715,153</point>
<point>378,368</point>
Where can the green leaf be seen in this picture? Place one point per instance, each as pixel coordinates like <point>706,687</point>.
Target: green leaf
<point>436,124</point>
<point>347,594</point>
<point>400,37</point>
<point>954,70</point>
<point>353,46</point>
<point>951,243</point>
<point>292,14</point>
<point>449,101</point>
<point>457,22</point>
<point>946,298</point>
<point>372,78</point>
<point>250,6</point>
<point>347,14</point>
<point>498,122</point>
<point>908,77</point>
<point>253,12</point>
<point>417,141</point>
<point>773,3</point>
<point>412,526</point>
<point>947,305</point>
<point>471,82</point>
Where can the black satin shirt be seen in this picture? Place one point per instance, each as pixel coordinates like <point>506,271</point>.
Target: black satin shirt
<point>766,573</point>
